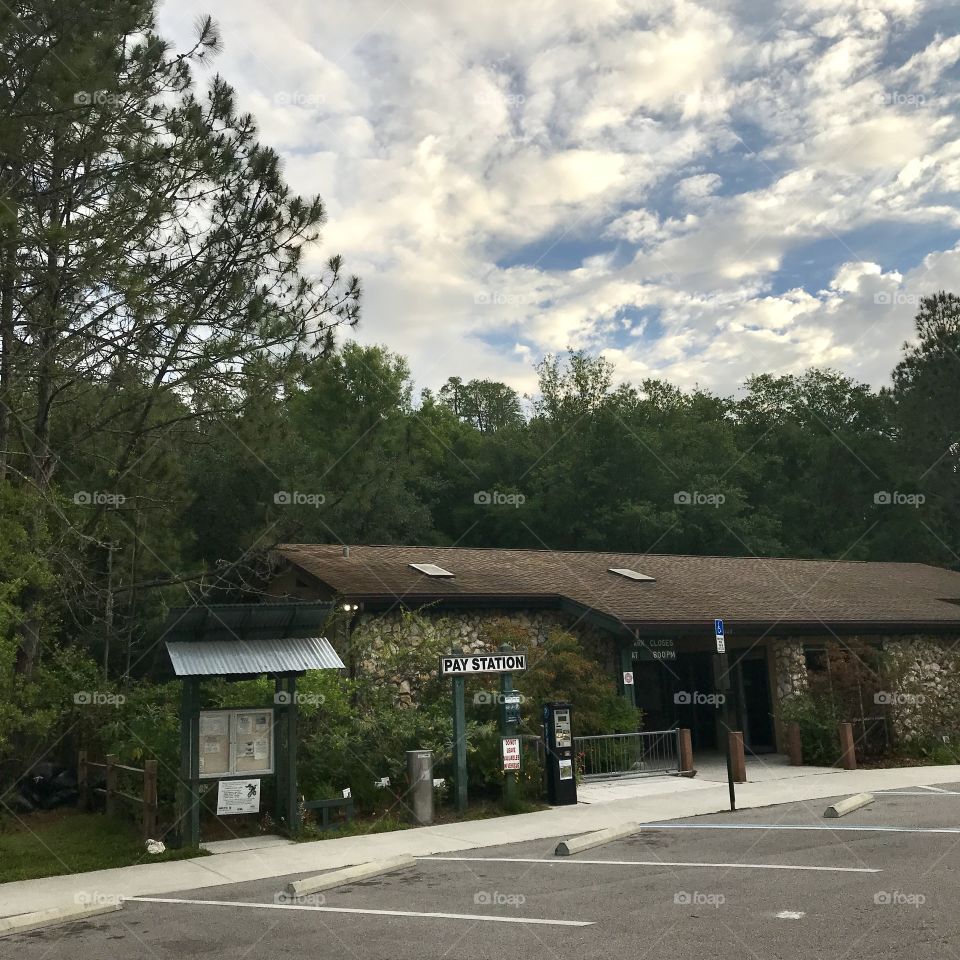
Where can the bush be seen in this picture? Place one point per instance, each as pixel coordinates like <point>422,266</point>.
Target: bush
<point>819,721</point>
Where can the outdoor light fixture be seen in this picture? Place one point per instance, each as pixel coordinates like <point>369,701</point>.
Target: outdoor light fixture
<point>350,606</point>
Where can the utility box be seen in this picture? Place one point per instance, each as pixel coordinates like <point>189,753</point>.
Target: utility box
<point>558,739</point>
<point>420,776</point>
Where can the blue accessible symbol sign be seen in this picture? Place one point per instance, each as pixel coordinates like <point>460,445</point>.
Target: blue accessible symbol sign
<point>721,640</point>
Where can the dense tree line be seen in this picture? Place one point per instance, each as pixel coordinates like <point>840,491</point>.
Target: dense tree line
<point>174,401</point>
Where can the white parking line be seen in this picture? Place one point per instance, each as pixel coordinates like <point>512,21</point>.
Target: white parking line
<point>656,863</point>
<point>798,826</point>
<point>379,913</point>
<point>917,793</point>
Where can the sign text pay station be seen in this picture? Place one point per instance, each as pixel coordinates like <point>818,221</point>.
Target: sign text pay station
<point>453,666</point>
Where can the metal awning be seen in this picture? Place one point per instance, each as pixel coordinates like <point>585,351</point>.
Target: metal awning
<point>213,658</point>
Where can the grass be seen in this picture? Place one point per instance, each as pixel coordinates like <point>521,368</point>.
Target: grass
<point>67,841</point>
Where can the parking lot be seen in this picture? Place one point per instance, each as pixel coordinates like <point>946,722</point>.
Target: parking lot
<point>765,883</point>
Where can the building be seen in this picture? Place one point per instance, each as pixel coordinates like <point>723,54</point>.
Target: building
<point>651,617</point>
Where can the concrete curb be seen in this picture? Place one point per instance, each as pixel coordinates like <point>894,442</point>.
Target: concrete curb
<point>595,839</point>
<point>362,871</point>
<point>24,922</point>
<point>842,807</point>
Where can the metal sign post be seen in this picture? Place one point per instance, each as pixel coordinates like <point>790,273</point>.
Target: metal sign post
<point>509,709</point>
<point>458,665</point>
<point>722,670</point>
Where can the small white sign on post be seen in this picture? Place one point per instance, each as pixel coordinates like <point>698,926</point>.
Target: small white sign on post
<point>628,679</point>
<point>238,796</point>
<point>721,639</point>
<point>511,753</point>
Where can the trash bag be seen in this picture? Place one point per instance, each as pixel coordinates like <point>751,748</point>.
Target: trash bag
<point>46,787</point>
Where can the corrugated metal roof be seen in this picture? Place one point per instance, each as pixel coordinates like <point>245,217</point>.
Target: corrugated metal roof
<point>225,657</point>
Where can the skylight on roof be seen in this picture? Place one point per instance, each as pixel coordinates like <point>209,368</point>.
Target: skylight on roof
<point>632,574</point>
<point>431,569</point>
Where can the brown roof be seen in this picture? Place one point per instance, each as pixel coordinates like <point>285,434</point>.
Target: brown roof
<point>749,592</point>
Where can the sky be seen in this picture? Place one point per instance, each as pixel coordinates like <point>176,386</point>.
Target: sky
<point>698,192</point>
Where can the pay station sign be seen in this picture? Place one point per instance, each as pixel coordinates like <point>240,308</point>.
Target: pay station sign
<point>493,663</point>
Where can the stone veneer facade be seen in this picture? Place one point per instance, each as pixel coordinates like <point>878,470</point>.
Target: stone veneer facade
<point>472,630</point>
<point>927,668</point>
<point>923,673</point>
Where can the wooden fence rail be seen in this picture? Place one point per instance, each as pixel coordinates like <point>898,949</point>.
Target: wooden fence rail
<point>111,789</point>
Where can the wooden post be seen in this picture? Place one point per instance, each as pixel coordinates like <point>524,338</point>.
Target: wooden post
<point>794,744</point>
<point>848,753</point>
<point>149,799</point>
<point>111,784</point>
<point>83,781</point>
<point>686,753</point>
<point>736,756</point>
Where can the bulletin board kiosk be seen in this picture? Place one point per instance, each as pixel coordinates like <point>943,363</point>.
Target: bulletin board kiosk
<point>238,747</point>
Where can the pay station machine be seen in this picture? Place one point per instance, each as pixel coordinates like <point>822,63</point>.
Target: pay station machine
<point>558,737</point>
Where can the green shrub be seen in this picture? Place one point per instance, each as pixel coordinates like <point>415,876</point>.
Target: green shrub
<point>819,721</point>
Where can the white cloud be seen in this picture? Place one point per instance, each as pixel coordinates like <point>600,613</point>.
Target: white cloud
<point>510,179</point>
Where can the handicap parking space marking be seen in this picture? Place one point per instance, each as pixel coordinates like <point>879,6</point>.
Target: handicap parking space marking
<point>656,863</point>
<point>361,910</point>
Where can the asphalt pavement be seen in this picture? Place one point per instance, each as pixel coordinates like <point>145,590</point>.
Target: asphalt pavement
<point>776,882</point>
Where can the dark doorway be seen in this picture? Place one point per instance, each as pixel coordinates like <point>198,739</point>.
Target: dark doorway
<point>676,693</point>
<point>755,709</point>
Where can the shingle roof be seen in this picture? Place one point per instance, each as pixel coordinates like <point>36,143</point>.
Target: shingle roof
<point>691,591</point>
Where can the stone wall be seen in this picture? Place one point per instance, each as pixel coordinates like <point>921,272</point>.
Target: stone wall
<point>381,636</point>
<point>925,699</point>
<point>789,669</point>
<point>921,672</point>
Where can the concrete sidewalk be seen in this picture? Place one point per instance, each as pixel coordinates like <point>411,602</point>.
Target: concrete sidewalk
<point>669,799</point>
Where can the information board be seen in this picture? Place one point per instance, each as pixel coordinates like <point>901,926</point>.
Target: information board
<point>235,742</point>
